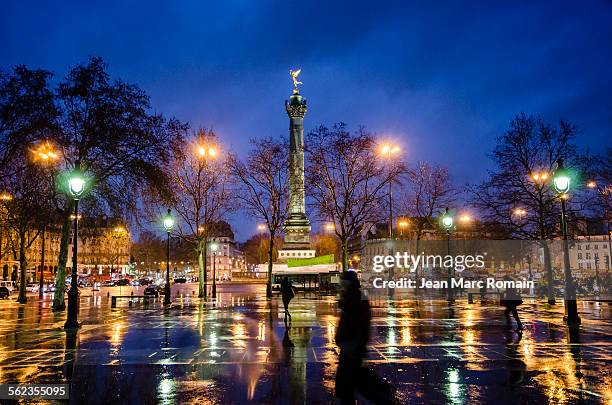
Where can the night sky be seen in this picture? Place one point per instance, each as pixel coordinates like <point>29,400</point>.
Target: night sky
<point>442,78</point>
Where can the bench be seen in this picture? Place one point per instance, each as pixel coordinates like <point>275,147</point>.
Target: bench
<point>470,295</point>
<point>145,299</point>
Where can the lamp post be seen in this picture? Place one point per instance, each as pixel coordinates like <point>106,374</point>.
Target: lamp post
<point>76,187</point>
<point>561,182</point>
<point>45,154</point>
<point>387,151</point>
<point>41,285</point>
<point>205,151</point>
<point>447,222</point>
<point>168,225</point>
<point>4,198</point>
<point>213,248</point>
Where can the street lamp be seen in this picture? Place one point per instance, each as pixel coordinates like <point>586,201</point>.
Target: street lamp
<point>5,197</point>
<point>204,150</point>
<point>76,187</point>
<point>561,183</point>
<point>46,154</point>
<point>402,224</point>
<point>388,150</point>
<point>168,225</point>
<point>447,222</point>
<point>207,151</point>
<point>465,218</point>
<point>519,212</point>
<point>213,248</point>
<point>539,177</point>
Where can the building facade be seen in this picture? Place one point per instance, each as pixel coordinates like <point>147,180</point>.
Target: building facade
<point>228,259</point>
<point>590,254</point>
<point>104,252</point>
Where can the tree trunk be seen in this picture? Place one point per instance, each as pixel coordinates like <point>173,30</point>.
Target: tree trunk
<point>22,268</point>
<point>344,254</point>
<point>270,265</point>
<point>60,277</point>
<point>205,266</point>
<point>416,270</point>
<point>549,273</point>
<point>200,273</point>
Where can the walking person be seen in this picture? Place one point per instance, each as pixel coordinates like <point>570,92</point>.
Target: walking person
<point>511,300</point>
<point>287,293</point>
<point>352,338</point>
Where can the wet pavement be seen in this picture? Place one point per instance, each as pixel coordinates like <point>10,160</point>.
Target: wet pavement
<point>237,350</point>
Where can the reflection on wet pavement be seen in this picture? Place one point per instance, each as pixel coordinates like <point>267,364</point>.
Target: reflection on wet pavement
<point>237,350</point>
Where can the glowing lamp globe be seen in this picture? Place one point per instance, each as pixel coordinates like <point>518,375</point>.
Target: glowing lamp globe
<point>214,246</point>
<point>561,180</point>
<point>76,184</point>
<point>168,222</point>
<point>447,220</point>
<point>562,183</point>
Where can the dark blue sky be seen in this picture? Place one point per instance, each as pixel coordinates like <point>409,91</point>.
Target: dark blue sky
<point>441,78</point>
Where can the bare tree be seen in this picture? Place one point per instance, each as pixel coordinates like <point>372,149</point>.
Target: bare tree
<point>27,113</point>
<point>428,191</point>
<point>264,189</point>
<point>108,127</point>
<point>346,181</point>
<point>149,249</point>
<point>201,194</point>
<point>113,243</point>
<point>518,194</point>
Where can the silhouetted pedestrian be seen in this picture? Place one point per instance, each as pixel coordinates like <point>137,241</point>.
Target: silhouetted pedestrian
<point>287,294</point>
<point>352,337</point>
<point>512,299</point>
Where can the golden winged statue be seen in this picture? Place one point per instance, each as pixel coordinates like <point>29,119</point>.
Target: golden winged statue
<point>294,74</point>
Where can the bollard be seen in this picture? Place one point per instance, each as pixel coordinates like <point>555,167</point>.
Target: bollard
<point>114,302</point>
<point>470,298</point>
<point>130,303</point>
<point>108,294</point>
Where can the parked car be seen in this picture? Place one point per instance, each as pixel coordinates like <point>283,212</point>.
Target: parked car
<point>154,290</point>
<point>4,292</point>
<point>49,288</point>
<point>32,287</point>
<point>10,285</point>
<point>122,282</point>
<point>180,280</point>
